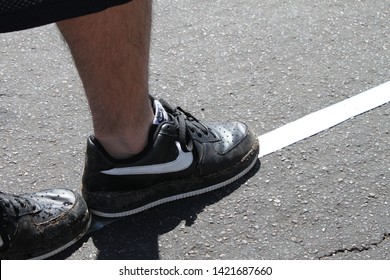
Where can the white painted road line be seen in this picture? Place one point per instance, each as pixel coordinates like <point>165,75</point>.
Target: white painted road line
<point>323,119</point>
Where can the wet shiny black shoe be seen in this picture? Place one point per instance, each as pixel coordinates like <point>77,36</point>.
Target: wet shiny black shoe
<point>184,158</point>
<point>41,224</point>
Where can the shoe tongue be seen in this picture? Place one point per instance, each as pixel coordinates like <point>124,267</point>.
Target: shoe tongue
<point>160,115</point>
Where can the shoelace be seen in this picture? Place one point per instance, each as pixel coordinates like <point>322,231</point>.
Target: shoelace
<point>185,123</point>
<point>15,203</point>
<point>12,207</point>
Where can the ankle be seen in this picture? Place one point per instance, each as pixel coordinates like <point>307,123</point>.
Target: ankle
<point>122,147</point>
<point>127,143</point>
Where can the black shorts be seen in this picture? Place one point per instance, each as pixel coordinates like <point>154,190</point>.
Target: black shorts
<point>22,14</point>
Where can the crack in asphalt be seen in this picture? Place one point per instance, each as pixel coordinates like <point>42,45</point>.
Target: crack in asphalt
<point>355,248</point>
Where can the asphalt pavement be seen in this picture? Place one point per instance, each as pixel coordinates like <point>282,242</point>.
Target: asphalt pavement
<point>266,63</point>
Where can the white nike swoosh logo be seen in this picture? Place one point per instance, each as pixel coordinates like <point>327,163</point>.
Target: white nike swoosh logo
<point>183,161</point>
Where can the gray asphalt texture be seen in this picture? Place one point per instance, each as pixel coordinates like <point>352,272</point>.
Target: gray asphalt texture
<point>266,63</point>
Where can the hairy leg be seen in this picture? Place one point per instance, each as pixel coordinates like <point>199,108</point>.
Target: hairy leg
<point>111,53</point>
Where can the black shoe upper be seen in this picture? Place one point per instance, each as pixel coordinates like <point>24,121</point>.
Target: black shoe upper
<point>199,154</point>
<point>36,224</point>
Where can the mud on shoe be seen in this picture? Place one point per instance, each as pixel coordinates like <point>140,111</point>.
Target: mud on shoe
<point>41,224</point>
<point>185,157</point>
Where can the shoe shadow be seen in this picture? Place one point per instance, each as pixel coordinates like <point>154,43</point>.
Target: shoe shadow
<point>136,237</point>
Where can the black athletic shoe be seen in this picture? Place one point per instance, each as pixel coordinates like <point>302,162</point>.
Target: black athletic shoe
<point>184,158</point>
<point>39,225</point>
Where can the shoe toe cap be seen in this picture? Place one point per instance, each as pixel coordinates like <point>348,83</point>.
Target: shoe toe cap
<point>232,135</point>
<point>54,203</point>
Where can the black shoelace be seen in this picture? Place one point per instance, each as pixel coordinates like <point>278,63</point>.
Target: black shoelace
<point>11,207</point>
<point>185,123</point>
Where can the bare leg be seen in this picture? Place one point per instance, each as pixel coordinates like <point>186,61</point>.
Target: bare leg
<point>111,53</point>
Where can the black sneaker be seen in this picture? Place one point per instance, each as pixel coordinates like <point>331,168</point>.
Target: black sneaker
<point>41,224</point>
<point>184,158</point>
